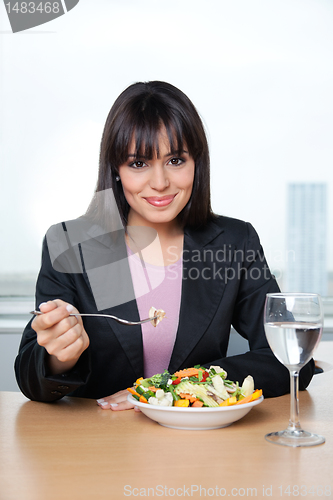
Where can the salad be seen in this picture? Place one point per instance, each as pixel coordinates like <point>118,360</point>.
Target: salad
<point>194,387</point>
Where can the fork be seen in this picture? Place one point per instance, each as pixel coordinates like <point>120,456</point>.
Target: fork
<point>119,320</point>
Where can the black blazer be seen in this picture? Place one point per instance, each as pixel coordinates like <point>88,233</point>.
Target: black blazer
<point>225,281</point>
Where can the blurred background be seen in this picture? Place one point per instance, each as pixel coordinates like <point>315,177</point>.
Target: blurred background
<point>261,76</point>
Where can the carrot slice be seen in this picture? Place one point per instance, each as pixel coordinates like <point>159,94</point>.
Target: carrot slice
<point>256,394</point>
<point>188,372</point>
<point>143,399</point>
<point>247,399</point>
<point>132,391</point>
<point>197,404</point>
<point>229,402</point>
<point>189,397</point>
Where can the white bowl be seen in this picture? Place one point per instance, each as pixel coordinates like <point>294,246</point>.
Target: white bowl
<point>195,419</point>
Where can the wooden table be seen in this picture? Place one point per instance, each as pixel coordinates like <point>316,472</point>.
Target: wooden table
<point>72,449</point>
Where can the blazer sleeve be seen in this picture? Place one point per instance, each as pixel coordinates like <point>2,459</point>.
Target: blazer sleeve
<point>255,281</point>
<point>31,371</point>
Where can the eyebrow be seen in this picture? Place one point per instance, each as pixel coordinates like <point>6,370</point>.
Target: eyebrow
<point>170,153</point>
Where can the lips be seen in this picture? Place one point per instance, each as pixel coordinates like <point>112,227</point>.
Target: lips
<point>160,201</point>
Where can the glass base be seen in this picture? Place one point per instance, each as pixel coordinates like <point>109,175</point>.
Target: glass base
<point>295,438</point>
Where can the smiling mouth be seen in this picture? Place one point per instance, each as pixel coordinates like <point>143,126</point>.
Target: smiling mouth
<point>160,201</point>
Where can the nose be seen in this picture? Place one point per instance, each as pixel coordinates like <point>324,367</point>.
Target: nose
<point>159,178</point>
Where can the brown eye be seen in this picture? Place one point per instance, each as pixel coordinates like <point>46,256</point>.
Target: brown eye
<point>176,161</point>
<point>138,164</point>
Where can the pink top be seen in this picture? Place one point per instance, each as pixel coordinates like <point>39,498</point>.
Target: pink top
<point>159,287</point>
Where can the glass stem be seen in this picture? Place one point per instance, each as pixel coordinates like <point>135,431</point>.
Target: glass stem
<point>294,423</point>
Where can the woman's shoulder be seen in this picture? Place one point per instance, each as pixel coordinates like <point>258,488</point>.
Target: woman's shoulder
<point>226,222</point>
<point>223,229</point>
<point>228,227</point>
<point>237,227</point>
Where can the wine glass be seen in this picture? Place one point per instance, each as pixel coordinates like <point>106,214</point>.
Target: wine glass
<point>293,326</point>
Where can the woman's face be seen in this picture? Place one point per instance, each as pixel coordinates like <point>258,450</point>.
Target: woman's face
<point>157,189</point>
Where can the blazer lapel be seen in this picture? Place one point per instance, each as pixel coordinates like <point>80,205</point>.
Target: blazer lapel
<point>204,270</point>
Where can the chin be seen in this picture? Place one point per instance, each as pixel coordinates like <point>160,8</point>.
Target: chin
<point>160,219</point>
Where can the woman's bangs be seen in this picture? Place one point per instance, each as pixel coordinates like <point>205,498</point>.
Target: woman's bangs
<point>138,133</point>
<point>147,138</point>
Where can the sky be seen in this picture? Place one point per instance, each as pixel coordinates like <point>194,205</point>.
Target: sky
<point>259,72</point>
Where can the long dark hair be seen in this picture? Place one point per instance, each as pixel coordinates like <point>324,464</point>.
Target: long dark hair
<point>139,112</point>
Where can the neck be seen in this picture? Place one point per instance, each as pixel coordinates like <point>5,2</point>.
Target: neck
<point>164,248</point>
<point>164,230</point>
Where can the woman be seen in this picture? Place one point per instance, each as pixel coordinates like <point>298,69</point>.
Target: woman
<point>206,272</point>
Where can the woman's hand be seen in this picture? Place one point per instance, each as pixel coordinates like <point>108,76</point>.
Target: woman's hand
<point>63,336</point>
<point>117,401</point>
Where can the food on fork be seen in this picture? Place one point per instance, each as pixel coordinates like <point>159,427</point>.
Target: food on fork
<point>157,314</point>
